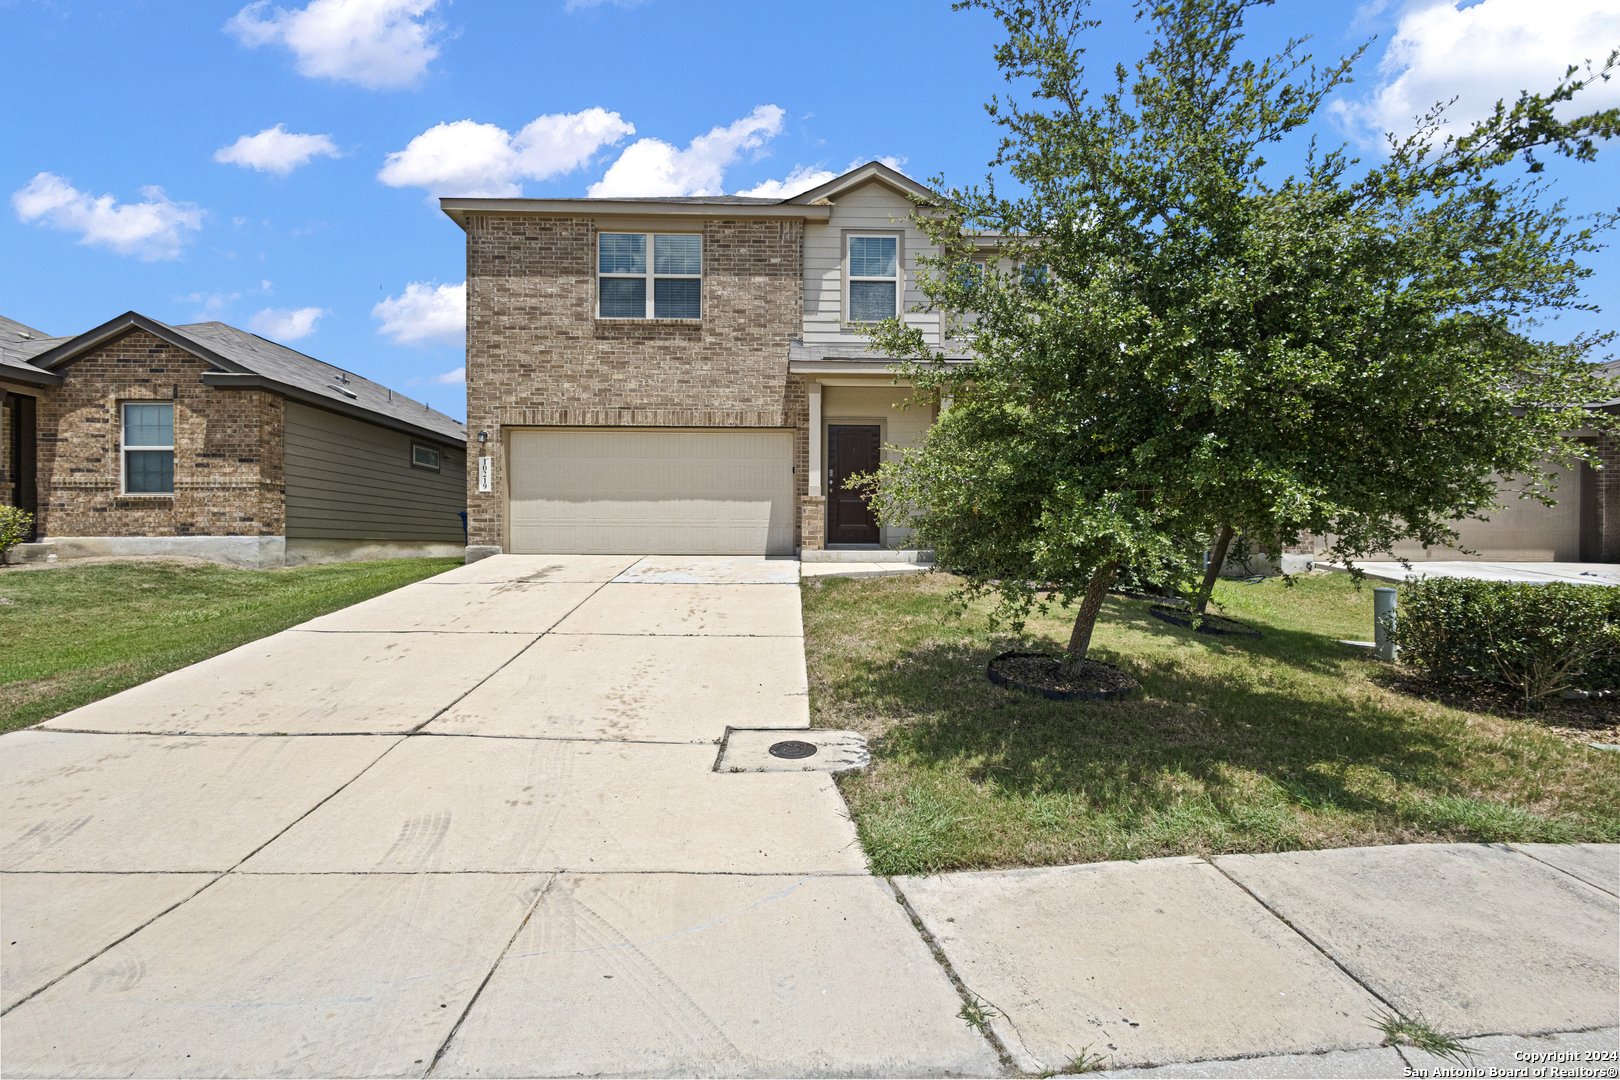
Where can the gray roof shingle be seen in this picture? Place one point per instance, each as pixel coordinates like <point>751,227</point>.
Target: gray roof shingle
<point>289,366</point>
<point>243,359</point>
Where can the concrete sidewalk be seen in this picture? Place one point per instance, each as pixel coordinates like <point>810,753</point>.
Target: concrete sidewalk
<point>476,827</point>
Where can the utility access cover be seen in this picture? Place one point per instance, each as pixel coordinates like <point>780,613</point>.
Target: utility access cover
<point>791,750</point>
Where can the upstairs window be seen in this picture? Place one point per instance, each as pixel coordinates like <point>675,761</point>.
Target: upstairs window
<point>148,433</point>
<point>669,285</point>
<point>874,278</point>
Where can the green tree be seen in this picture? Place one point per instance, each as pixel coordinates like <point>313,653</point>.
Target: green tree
<point>1169,348</point>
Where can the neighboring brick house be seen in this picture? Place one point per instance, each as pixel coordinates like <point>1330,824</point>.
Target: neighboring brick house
<point>142,438</point>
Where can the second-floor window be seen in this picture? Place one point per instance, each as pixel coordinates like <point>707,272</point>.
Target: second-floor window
<point>874,278</point>
<point>668,285</point>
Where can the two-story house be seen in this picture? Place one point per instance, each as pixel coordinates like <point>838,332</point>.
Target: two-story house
<point>685,375</point>
<point>682,375</point>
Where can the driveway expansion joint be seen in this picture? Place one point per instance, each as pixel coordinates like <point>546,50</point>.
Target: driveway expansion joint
<point>488,975</point>
<point>216,879</point>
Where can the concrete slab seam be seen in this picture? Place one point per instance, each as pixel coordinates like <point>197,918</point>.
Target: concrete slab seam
<point>564,738</point>
<point>484,633</point>
<point>183,734</point>
<point>1280,917</point>
<point>215,880</point>
<point>571,870</point>
<point>112,944</point>
<point>562,633</point>
<point>509,659</point>
<point>1561,870</point>
<point>490,974</point>
<point>970,1000</point>
<point>716,921</point>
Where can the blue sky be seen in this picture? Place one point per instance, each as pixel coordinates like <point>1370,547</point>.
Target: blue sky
<point>275,167</point>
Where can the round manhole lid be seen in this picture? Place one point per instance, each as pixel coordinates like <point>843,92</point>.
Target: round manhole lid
<point>793,748</point>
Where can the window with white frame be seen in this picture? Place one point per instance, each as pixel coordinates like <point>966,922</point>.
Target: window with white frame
<point>668,285</point>
<point>874,278</point>
<point>424,457</point>
<point>148,435</point>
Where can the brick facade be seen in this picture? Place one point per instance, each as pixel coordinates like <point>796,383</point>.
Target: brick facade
<point>812,522</point>
<point>1607,482</point>
<point>228,457</point>
<point>538,356</point>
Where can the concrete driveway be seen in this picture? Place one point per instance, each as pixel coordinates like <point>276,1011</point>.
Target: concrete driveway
<point>493,824</point>
<point>472,827</point>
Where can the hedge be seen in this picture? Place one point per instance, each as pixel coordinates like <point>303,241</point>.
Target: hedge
<point>1538,639</point>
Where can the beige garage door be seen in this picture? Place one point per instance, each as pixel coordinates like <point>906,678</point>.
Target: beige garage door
<point>618,491</point>
<point>1524,530</point>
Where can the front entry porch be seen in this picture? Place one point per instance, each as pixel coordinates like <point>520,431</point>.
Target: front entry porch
<point>860,415</point>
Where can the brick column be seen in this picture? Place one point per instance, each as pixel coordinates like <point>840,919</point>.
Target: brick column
<point>812,522</point>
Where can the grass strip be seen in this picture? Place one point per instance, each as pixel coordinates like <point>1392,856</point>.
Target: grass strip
<point>1289,742</point>
<point>70,635</point>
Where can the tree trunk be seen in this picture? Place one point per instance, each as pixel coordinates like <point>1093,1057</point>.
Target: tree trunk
<point>1086,619</point>
<point>1217,561</point>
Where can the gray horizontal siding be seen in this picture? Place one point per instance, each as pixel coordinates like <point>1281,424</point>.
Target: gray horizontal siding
<point>349,480</point>
<point>872,207</point>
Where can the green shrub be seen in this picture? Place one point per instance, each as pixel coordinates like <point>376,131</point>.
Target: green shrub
<point>1538,639</point>
<point>15,525</point>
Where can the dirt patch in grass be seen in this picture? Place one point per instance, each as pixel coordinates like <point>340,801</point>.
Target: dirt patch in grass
<point>1047,673</point>
<point>1580,721</point>
<point>1234,745</point>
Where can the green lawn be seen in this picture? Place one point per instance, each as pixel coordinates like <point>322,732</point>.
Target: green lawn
<point>72,634</point>
<point>1232,745</point>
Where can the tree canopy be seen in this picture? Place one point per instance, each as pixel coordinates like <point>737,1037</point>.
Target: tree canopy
<point>1168,347</point>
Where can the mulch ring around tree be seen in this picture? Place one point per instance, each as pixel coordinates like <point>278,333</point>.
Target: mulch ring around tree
<point>1208,624</point>
<point>1042,673</point>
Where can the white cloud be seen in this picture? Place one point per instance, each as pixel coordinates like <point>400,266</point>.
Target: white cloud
<point>458,377</point>
<point>805,177</point>
<point>579,5</point>
<point>1480,54</point>
<point>802,178</point>
<point>277,150</point>
<point>378,44</point>
<point>652,167</point>
<point>212,303</point>
<point>286,324</point>
<point>471,159</point>
<point>154,229</point>
<point>425,315</point>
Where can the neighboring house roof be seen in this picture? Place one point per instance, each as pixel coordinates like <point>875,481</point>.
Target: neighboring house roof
<point>813,204</point>
<point>17,344</point>
<point>247,361</point>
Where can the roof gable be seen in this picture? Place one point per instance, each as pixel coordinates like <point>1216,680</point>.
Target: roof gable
<point>248,361</point>
<point>871,172</point>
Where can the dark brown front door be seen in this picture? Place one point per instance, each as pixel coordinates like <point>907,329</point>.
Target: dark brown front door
<point>851,449</point>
